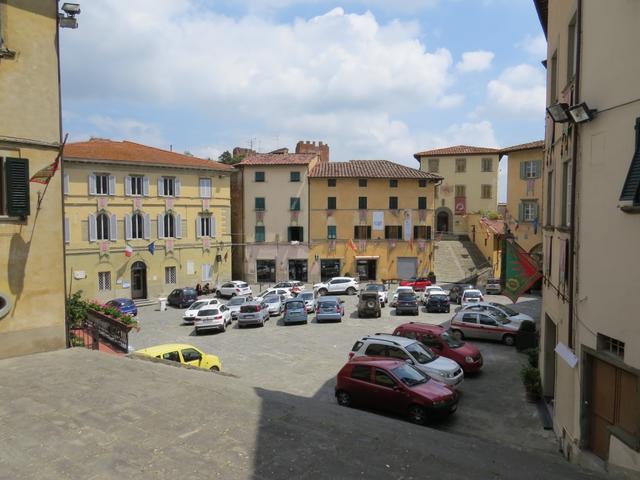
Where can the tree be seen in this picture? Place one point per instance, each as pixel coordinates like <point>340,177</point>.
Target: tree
<point>228,159</point>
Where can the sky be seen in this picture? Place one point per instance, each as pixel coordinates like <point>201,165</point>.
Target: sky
<point>374,79</point>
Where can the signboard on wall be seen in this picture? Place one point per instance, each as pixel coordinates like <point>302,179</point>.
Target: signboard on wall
<point>460,206</point>
<point>378,221</point>
<point>408,226</point>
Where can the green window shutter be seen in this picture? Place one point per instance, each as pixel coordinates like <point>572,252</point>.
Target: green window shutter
<point>536,209</point>
<point>17,186</point>
<point>538,168</point>
<point>521,212</point>
<point>523,170</point>
<point>289,234</point>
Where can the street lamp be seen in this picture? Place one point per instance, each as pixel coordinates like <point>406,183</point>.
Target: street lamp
<point>68,18</point>
<point>559,112</point>
<point>582,113</point>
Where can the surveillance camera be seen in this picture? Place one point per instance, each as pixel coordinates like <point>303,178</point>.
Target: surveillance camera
<point>71,8</point>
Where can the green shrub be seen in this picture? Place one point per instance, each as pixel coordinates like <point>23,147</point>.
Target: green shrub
<point>532,354</point>
<point>527,326</point>
<point>76,310</point>
<point>531,378</point>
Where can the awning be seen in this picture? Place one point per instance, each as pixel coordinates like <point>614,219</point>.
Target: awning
<point>367,257</point>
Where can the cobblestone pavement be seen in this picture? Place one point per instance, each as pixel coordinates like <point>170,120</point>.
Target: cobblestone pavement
<point>303,360</point>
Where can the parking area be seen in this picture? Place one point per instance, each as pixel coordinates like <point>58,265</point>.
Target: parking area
<point>303,360</point>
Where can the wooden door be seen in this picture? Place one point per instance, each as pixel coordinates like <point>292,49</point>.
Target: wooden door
<point>603,400</point>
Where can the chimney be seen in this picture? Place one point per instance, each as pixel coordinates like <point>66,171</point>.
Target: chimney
<point>321,149</point>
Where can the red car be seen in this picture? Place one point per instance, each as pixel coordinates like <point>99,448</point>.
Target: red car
<point>418,283</point>
<point>443,343</point>
<point>395,386</point>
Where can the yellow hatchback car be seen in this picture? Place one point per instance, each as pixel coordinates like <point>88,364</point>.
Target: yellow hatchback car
<point>183,353</point>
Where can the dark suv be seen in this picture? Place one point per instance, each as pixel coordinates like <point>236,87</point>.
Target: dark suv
<point>407,302</point>
<point>182,297</point>
<point>369,304</point>
<point>438,302</point>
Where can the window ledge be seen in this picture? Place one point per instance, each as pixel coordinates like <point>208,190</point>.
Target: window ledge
<point>629,440</point>
<point>563,228</point>
<point>12,218</point>
<point>629,207</point>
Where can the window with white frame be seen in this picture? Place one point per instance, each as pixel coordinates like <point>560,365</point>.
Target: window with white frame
<point>530,169</point>
<point>167,186</point>
<point>433,165</point>
<point>170,275</point>
<point>137,226</point>
<point>102,184</point>
<point>104,281</point>
<point>461,165</point>
<point>136,185</point>
<point>205,188</point>
<point>529,211</point>
<point>204,226</point>
<point>206,272</point>
<point>102,226</point>
<point>487,164</point>
<point>169,226</point>
<point>485,191</point>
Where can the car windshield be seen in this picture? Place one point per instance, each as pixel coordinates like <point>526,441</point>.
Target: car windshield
<point>207,312</point>
<point>409,375</point>
<point>438,296</point>
<point>406,296</point>
<point>509,311</point>
<point>374,288</point>
<point>421,354</point>
<point>265,293</point>
<point>295,305</point>
<point>502,319</point>
<point>327,305</point>
<point>236,301</point>
<point>272,299</point>
<point>243,285</point>
<point>452,341</point>
<point>306,296</point>
<point>472,294</point>
<point>249,308</point>
<point>197,305</point>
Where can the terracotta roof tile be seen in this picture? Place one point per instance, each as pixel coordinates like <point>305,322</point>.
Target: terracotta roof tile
<point>130,152</point>
<point>496,226</point>
<point>456,150</point>
<point>522,146</point>
<point>368,169</point>
<point>278,159</point>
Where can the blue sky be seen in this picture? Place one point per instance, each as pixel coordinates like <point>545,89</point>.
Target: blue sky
<point>373,79</point>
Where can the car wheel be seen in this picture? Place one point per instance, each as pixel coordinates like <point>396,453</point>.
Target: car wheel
<point>224,326</point>
<point>322,292</point>
<point>351,291</point>
<point>343,398</point>
<point>458,334</point>
<point>417,414</point>
<point>509,340</point>
<point>214,369</point>
<point>232,295</point>
<point>379,314</point>
<point>197,332</point>
<point>448,309</point>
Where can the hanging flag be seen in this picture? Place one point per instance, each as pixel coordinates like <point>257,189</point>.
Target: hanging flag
<point>128,250</point>
<point>521,271</point>
<point>44,176</point>
<point>152,248</point>
<point>352,246</point>
<point>535,226</point>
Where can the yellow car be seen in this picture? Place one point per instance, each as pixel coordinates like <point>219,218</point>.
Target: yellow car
<point>182,353</point>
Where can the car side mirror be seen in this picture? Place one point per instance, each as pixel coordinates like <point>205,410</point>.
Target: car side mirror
<point>409,361</point>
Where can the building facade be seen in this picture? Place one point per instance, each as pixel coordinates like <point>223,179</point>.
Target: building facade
<point>590,335</point>
<point>470,183</point>
<point>524,195</point>
<point>140,221</point>
<point>371,219</point>
<point>32,312</point>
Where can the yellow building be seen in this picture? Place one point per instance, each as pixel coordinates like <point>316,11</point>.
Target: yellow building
<point>524,195</point>
<point>172,210</point>
<point>487,235</point>
<point>470,183</point>
<point>371,219</point>
<point>32,315</point>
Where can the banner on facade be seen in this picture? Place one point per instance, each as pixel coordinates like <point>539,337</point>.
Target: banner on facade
<point>460,205</point>
<point>378,221</point>
<point>521,271</point>
<point>408,225</point>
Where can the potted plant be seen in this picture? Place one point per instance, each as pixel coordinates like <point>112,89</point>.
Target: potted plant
<point>532,383</point>
<point>110,324</point>
<point>532,355</point>
<point>527,336</point>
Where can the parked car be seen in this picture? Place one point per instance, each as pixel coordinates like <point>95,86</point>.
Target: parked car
<point>407,302</point>
<point>294,286</point>
<point>329,308</point>
<point>274,291</point>
<point>512,315</point>
<point>382,290</point>
<point>418,283</point>
<point>394,386</point>
<point>234,289</point>
<point>253,313</point>
<point>346,285</point>
<point>369,304</point>
<point>213,317</point>
<point>295,311</point>
<point>455,292</point>
<point>471,295</point>
<point>309,300</point>
<point>399,290</point>
<point>440,341</point>
<point>183,353</point>
<point>235,303</point>
<point>428,291</point>
<point>493,286</point>
<point>123,305</point>
<point>190,313</point>
<point>382,345</point>
<point>484,326</point>
<point>275,303</point>
<point>182,297</point>
<point>438,302</point>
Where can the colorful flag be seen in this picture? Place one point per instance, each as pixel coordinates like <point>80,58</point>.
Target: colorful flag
<point>128,250</point>
<point>44,176</point>
<point>152,248</point>
<point>521,271</point>
<point>535,226</point>
<point>352,246</point>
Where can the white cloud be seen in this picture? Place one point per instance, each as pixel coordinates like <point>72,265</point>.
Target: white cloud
<point>475,61</point>
<point>520,90</point>
<point>126,129</point>
<point>450,101</point>
<point>534,45</point>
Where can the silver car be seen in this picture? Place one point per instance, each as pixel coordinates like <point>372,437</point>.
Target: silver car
<point>234,305</point>
<point>275,303</point>
<point>329,309</point>
<point>309,300</point>
<point>253,313</point>
<point>484,326</point>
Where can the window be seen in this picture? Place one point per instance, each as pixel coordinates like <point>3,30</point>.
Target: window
<point>296,234</point>
<point>553,79</point>
<point>528,211</point>
<point>104,281</point>
<point>611,345</point>
<point>331,232</point>
<point>260,204</point>
<point>294,203</point>
<point>461,190</point>
<point>436,191</point>
<point>566,193</point>
<point>461,165</point>
<point>169,226</point>
<point>191,355</point>
<point>572,49</point>
<point>331,203</point>
<point>14,187</point>
<point>168,187</point>
<point>204,226</point>
<point>487,165</point>
<point>205,188</point>
<point>362,203</point>
<point>383,379</point>
<point>393,203</point>
<point>329,269</point>
<point>331,182</point>
<point>136,185</point>
<point>470,318</point>
<point>422,183</point>
<point>550,203</point>
<point>259,177</point>
<point>393,232</point>
<point>375,350</point>
<point>102,184</point>
<point>393,183</point>
<point>266,271</point>
<point>530,169</point>
<point>362,232</point>
<point>630,195</point>
<point>170,275</point>
<point>206,272</point>
<point>485,191</point>
<point>361,372</point>
<point>362,182</point>
<point>422,203</point>
<point>433,165</point>
<point>102,226</point>
<point>294,176</point>
<point>171,356</point>
<point>259,233</point>
<point>422,232</point>
<point>137,226</point>
<point>487,320</point>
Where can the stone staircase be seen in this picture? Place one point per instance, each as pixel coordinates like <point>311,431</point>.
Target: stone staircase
<point>458,259</point>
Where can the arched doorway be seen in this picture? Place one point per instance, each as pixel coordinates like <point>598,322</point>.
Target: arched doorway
<point>138,280</point>
<point>443,220</point>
